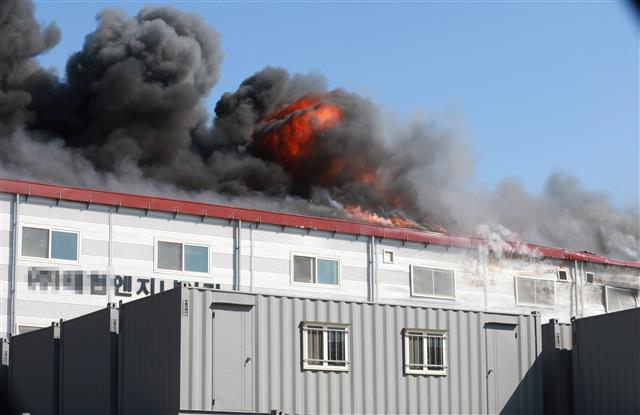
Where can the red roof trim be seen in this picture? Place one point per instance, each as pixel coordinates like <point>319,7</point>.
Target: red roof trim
<point>277,218</point>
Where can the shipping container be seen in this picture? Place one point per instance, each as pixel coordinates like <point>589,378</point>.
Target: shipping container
<point>88,363</point>
<point>204,350</point>
<point>557,365</point>
<point>34,371</point>
<point>606,363</point>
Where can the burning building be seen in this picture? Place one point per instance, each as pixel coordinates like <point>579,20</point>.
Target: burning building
<point>69,250</point>
<point>114,187</point>
<point>276,282</point>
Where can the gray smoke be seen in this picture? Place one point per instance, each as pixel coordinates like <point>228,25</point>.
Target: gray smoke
<point>129,116</point>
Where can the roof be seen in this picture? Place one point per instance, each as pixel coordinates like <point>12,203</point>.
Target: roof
<point>77,194</point>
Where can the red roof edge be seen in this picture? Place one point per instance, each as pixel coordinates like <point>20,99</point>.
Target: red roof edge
<point>77,194</point>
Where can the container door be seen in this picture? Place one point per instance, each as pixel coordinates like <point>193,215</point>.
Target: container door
<point>232,358</point>
<point>502,368</point>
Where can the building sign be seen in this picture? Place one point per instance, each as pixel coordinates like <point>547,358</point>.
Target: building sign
<point>97,283</point>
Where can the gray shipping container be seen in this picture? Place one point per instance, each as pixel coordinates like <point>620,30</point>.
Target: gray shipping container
<point>89,362</point>
<point>34,371</point>
<point>192,349</point>
<point>557,364</point>
<point>606,363</point>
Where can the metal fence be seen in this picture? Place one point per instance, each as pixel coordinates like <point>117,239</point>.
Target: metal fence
<point>592,366</point>
<point>606,363</point>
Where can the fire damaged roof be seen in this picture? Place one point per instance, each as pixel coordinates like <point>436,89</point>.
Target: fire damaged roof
<point>76,194</point>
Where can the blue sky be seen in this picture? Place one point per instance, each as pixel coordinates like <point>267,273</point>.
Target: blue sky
<point>533,87</point>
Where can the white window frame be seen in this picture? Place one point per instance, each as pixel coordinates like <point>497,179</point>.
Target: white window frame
<point>51,229</point>
<point>593,278</point>
<point>566,273</point>
<point>520,303</point>
<point>442,297</point>
<point>606,296</point>
<point>393,256</point>
<point>183,271</point>
<point>407,334</point>
<point>315,276</point>
<point>325,327</point>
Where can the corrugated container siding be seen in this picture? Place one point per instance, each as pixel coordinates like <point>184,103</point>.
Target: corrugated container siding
<point>34,372</point>
<point>606,363</point>
<point>88,363</point>
<point>557,368</point>
<point>375,382</point>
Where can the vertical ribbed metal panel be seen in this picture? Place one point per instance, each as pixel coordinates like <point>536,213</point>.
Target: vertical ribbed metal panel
<point>34,371</point>
<point>606,363</point>
<point>375,382</point>
<point>88,363</point>
<point>558,376</point>
<point>149,354</point>
<point>4,376</point>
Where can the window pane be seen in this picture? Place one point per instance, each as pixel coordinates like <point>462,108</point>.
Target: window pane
<point>620,299</point>
<point>196,258</point>
<point>35,242</point>
<point>435,352</point>
<point>416,352</point>
<point>170,256</point>
<point>526,290</point>
<point>314,346</point>
<point>64,245</point>
<point>336,347</point>
<point>387,256</point>
<point>443,281</point>
<point>327,271</point>
<point>544,292</point>
<point>422,281</point>
<point>303,268</point>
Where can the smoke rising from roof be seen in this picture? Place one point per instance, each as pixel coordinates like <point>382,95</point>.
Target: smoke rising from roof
<point>129,116</point>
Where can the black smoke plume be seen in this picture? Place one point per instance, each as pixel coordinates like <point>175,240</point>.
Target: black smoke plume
<point>129,116</point>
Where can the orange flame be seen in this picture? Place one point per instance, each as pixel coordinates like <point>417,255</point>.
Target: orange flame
<point>291,131</point>
<point>288,136</point>
<point>356,212</point>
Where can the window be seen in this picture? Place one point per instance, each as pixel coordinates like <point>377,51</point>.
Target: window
<point>425,352</point>
<point>176,256</point>
<point>27,329</point>
<point>562,275</point>
<point>589,277</point>
<point>617,299</point>
<point>535,292</point>
<point>387,256</point>
<point>49,244</point>
<point>325,346</point>
<point>431,282</point>
<point>316,270</point>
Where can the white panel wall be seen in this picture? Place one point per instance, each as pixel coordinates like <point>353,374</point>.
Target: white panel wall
<point>482,282</point>
<point>273,248</point>
<point>6,235</point>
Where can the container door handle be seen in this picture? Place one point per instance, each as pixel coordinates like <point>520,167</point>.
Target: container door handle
<point>489,371</point>
<point>247,360</point>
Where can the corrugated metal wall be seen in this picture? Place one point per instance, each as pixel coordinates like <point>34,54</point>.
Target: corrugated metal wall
<point>88,363</point>
<point>4,376</point>
<point>606,363</point>
<point>375,383</point>
<point>34,371</point>
<point>149,355</point>
<point>557,366</point>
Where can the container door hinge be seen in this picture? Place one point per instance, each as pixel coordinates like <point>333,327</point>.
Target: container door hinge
<point>213,315</point>
<point>213,402</point>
